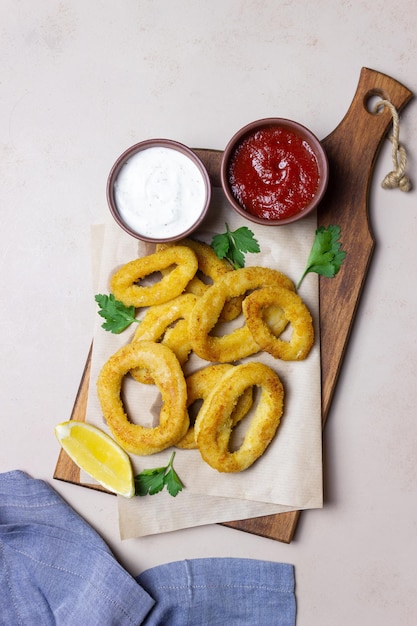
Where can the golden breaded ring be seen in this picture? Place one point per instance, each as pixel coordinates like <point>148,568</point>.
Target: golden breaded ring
<point>123,282</point>
<point>296,312</point>
<point>199,384</point>
<point>155,327</point>
<point>211,267</point>
<point>176,338</point>
<point>213,425</point>
<point>168,376</point>
<point>239,343</point>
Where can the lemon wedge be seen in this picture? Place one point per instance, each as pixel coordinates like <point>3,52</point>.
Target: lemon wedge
<point>97,454</point>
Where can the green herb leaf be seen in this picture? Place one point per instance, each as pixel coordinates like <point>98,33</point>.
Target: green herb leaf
<point>173,482</point>
<point>149,481</point>
<point>232,245</point>
<point>326,256</point>
<point>118,316</point>
<point>152,481</point>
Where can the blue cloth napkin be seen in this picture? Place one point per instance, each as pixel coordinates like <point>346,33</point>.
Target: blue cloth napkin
<point>55,569</point>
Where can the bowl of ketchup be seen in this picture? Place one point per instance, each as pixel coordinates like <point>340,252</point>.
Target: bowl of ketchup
<point>274,171</point>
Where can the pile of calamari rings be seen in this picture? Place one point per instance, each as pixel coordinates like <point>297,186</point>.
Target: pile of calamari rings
<point>195,293</point>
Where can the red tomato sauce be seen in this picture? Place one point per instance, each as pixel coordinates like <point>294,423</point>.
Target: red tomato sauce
<point>274,173</point>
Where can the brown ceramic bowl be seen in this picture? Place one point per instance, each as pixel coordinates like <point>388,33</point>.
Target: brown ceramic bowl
<point>158,190</point>
<point>246,188</point>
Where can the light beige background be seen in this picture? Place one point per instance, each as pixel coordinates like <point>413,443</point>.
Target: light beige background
<point>80,82</point>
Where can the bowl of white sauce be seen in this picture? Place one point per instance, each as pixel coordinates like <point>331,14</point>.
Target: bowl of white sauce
<point>158,190</point>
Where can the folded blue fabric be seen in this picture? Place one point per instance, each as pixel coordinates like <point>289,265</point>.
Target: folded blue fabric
<point>55,569</point>
<point>221,592</point>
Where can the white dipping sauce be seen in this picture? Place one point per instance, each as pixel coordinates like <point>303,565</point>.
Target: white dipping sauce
<point>159,192</point>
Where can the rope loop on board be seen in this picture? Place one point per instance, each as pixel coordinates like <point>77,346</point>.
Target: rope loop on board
<point>397,178</point>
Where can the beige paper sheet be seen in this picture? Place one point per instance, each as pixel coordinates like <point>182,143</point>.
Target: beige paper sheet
<point>289,474</point>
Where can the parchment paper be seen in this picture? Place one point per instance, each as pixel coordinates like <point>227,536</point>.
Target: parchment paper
<point>289,474</point>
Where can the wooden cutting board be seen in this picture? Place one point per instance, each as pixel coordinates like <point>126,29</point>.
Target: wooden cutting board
<point>352,149</point>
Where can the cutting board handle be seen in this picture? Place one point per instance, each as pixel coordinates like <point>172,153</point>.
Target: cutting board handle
<point>361,133</point>
<point>352,149</point>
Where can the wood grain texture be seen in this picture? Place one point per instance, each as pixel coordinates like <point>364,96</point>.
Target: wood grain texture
<point>352,149</point>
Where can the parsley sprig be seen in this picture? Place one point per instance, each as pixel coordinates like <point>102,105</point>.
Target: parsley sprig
<point>151,481</point>
<point>232,245</point>
<point>326,256</point>
<point>117,315</point>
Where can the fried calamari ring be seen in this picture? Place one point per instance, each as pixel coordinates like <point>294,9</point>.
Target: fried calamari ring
<point>176,338</point>
<point>199,385</point>
<point>168,376</point>
<point>295,311</point>
<point>239,343</point>
<point>213,425</point>
<point>210,267</point>
<point>155,326</point>
<point>123,283</point>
